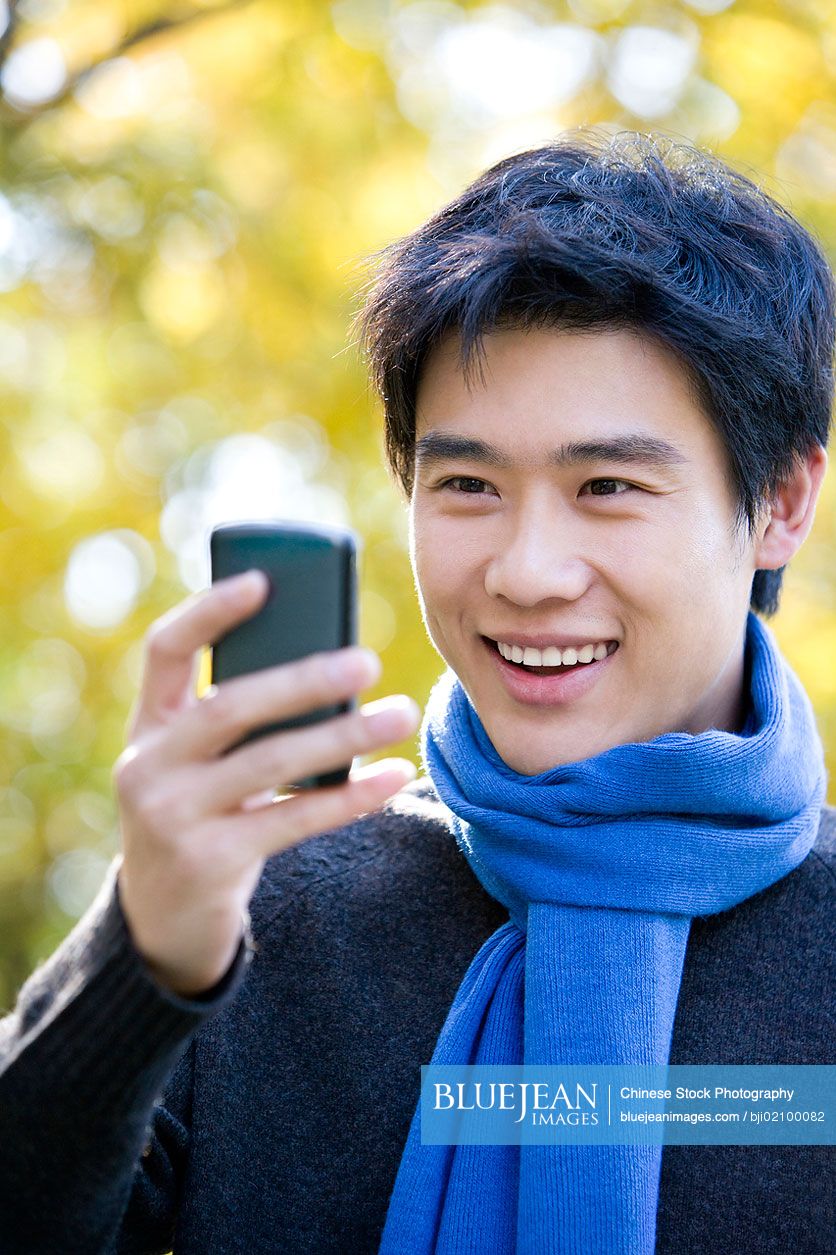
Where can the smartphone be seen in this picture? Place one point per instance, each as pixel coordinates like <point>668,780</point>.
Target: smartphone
<point>310,607</point>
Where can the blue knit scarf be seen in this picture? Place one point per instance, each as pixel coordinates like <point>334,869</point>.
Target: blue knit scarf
<point>602,865</point>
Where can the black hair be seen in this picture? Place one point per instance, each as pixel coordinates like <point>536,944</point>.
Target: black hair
<point>627,230</point>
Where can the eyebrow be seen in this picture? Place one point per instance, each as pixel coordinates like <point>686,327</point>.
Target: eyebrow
<point>632,448</point>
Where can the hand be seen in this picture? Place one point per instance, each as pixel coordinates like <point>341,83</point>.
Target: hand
<point>197,825</point>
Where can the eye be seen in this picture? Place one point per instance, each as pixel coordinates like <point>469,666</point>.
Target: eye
<point>471,487</point>
<point>607,485</point>
<point>464,479</point>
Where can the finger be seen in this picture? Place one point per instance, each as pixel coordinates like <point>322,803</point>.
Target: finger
<point>230,710</point>
<point>290,820</point>
<point>285,757</point>
<point>263,798</point>
<point>174,641</point>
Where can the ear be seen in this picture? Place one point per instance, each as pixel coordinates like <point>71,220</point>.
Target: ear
<point>791,512</point>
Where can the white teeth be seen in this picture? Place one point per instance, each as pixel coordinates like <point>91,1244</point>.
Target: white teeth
<point>552,656</point>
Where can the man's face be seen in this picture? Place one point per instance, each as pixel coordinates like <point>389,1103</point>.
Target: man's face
<point>625,550</point>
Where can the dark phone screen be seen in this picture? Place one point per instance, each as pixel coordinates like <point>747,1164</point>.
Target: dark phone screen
<point>311,605</point>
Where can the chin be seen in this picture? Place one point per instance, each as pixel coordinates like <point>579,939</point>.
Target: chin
<point>537,760</point>
<point>536,764</point>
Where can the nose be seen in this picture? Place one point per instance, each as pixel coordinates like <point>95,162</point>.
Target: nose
<point>540,558</point>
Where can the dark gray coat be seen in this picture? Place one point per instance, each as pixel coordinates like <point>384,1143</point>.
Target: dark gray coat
<point>270,1115</point>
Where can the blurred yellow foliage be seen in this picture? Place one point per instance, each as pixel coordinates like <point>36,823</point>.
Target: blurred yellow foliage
<point>189,194</point>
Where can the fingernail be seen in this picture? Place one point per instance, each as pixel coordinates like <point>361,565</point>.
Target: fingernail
<point>397,770</point>
<point>388,712</point>
<point>251,581</point>
<point>355,665</point>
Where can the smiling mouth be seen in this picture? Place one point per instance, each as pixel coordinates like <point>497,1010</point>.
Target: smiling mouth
<point>562,669</point>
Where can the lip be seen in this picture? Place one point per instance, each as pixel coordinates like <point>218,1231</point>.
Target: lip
<point>547,690</point>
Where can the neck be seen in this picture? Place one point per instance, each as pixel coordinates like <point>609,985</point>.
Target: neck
<point>726,704</point>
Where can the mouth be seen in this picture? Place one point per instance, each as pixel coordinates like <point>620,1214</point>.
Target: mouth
<point>546,686</point>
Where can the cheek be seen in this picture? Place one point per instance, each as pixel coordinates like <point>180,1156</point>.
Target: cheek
<point>711,558</point>
<point>435,553</point>
<point>436,581</point>
<point>700,584</point>
<point>691,546</point>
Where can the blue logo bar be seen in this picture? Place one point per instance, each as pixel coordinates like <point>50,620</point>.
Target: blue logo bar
<point>524,1105</point>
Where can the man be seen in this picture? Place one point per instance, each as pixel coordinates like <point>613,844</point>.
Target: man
<point>607,372</point>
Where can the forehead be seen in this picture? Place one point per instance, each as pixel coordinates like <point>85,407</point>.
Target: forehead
<point>533,383</point>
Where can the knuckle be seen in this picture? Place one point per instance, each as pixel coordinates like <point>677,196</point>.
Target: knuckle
<point>160,810</point>
<point>268,755</point>
<point>222,706</point>
<point>332,740</point>
<point>151,805</point>
<point>316,676</point>
<point>129,770</point>
<point>158,638</point>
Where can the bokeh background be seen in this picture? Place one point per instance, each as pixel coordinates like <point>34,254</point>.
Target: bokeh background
<point>189,193</point>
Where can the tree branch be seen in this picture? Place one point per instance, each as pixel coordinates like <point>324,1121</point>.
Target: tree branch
<point>9,33</point>
<point>16,120</point>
